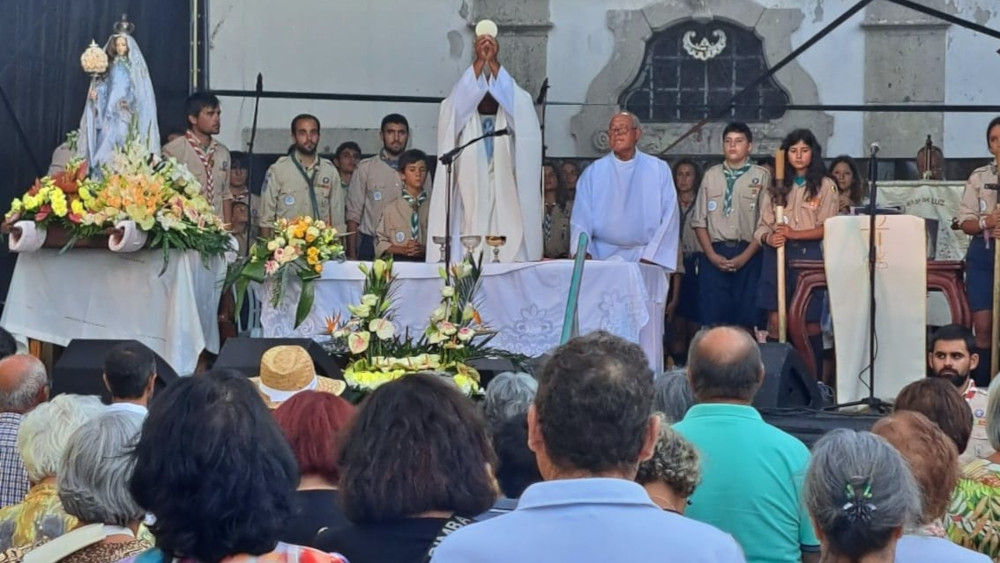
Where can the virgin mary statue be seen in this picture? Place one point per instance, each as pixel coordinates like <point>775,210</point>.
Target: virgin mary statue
<point>118,97</point>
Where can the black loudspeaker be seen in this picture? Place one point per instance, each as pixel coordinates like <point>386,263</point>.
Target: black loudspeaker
<point>80,369</point>
<point>787,382</point>
<point>244,354</point>
<point>489,367</point>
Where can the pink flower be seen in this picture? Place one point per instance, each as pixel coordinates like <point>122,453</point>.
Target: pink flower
<point>270,267</point>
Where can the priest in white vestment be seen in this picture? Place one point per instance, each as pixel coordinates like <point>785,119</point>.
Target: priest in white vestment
<point>626,203</point>
<point>497,181</point>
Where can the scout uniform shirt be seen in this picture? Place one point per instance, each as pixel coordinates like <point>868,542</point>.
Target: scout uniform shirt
<point>979,442</point>
<point>210,166</point>
<point>689,240</point>
<point>286,192</point>
<point>396,224</point>
<point>374,185</point>
<point>709,207</point>
<point>802,212</point>
<point>977,201</point>
<point>555,230</point>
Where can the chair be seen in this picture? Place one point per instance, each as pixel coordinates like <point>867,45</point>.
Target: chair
<point>253,327</point>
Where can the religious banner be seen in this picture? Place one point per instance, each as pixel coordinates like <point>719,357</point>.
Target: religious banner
<point>900,298</point>
<point>936,201</point>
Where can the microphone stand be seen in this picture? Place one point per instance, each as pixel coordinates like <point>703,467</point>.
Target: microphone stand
<point>253,137</point>
<point>448,160</point>
<point>871,401</point>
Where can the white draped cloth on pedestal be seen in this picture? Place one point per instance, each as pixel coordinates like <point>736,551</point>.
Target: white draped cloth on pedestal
<point>900,302</point>
<point>493,196</point>
<point>119,296</point>
<point>629,211</point>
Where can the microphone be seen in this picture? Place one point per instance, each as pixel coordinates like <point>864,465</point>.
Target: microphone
<point>260,83</point>
<point>499,133</point>
<point>874,148</point>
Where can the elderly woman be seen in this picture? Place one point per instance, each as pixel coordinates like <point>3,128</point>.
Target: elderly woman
<point>314,423</point>
<point>860,495</point>
<point>672,395</point>
<point>508,394</point>
<point>415,462</point>
<point>933,461</point>
<point>215,469</point>
<point>41,440</point>
<point>93,480</point>
<point>671,475</point>
<point>973,518</point>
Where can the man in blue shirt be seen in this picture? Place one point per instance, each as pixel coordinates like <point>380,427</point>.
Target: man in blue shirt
<point>590,426</point>
<point>751,472</point>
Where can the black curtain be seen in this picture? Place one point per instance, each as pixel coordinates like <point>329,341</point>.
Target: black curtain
<point>44,88</point>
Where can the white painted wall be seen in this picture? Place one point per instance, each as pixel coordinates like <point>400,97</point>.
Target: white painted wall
<point>420,47</point>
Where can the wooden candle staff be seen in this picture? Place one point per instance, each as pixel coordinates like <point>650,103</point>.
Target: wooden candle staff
<point>779,219</point>
<point>995,334</point>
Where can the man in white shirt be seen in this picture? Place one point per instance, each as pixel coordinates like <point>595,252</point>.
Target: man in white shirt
<point>130,374</point>
<point>626,202</point>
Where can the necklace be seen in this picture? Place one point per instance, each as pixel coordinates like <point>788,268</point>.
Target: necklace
<point>665,504</point>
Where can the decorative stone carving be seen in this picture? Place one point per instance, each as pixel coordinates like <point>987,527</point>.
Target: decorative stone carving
<point>633,28</point>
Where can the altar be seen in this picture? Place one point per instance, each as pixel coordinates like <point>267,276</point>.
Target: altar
<point>524,302</point>
<point>98,294</point>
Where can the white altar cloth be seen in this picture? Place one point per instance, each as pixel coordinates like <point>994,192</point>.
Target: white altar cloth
<point>98,294</point>
<point>523,302</point>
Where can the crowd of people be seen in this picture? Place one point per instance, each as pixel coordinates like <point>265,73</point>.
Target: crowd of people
<point>591,458</point>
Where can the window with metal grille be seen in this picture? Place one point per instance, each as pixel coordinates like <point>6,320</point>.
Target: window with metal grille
<point>692,68</point>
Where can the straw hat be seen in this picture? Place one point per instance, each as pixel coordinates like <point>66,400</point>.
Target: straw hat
<point>286,370</point>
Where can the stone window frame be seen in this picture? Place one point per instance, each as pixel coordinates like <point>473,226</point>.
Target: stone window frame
<point>633,28</point>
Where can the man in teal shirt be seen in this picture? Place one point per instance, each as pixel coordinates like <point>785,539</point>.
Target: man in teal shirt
<point>752,472</point>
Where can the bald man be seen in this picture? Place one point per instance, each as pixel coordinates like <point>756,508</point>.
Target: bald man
<point>747,462</point>
<point>23,385</point>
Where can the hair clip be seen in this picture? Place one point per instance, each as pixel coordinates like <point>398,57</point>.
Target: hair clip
<point>858,507</point>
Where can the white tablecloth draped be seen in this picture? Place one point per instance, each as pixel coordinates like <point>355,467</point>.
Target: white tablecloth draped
<point>524,302</point>
<point>103,295</point>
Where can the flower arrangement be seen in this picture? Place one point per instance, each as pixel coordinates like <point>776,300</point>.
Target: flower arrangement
<point>456,329</point>
<point>378,353</point>
<point>53,199</point>
<point>160,195</point>
<point>301,246</point>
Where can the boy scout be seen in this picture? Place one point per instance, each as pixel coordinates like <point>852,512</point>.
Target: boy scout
<point>302,183</point>
<point>724,220</point>
<point>205,157</point>
<point>402,229</point>
<point>374,185</point>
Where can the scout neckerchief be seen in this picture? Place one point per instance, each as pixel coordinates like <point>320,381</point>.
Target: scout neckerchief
<point>207,158</point>
<point>731,176</point>
<point>393,163</point>
<point>310,181</point>
<point>415,204</point>
<point>547,223</point>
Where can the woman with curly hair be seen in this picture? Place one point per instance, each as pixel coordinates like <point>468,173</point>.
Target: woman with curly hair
<point>416,461</point>
<point>672,474</point>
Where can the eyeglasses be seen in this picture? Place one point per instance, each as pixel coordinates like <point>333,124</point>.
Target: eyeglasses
<point>620,131</point>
